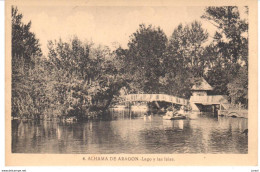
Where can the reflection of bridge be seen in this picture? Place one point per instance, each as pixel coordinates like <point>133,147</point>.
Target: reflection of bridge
<point>155,97</point>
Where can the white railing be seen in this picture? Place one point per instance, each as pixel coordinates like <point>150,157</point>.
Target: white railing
<point>155,97</point>
<point>214,99</point>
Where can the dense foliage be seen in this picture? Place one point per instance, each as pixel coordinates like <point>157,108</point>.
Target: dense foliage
<point>25,50</point>
<point>185,58</point>
<point>228,53</point>
<point>144,58</point>
<point>82,79</point>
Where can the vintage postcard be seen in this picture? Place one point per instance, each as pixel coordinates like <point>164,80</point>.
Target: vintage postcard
<point>131,83</point>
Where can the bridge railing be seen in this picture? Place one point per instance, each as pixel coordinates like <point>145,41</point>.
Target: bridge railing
<point>211,99</point>
<point>155,97</point>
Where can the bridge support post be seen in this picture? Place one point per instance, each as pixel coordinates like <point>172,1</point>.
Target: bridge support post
<point>157,105</point>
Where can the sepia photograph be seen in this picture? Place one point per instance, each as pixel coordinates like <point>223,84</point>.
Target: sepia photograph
<point>153,80</point>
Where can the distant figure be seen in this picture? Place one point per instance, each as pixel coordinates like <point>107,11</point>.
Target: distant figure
<point>181,111</point>
<point>245,132</point>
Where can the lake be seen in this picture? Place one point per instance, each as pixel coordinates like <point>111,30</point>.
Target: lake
<point>129,132</point>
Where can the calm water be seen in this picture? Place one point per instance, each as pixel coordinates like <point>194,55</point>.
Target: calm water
<point>127,132</point>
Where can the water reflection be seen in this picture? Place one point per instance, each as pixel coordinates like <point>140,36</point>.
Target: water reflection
<point>129,132</point>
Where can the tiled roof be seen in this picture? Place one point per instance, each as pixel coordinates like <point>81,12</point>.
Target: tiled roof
<point>201,84</point>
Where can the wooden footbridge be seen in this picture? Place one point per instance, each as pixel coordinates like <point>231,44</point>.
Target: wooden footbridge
<point>204,100</point>
<point>199,99</point>
<point>155,97</point>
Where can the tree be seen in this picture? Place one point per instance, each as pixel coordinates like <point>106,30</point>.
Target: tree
<point>144,58</point>
<point>84,78</point>
<point>25,52</point>
<point>238,88</point>
<point>186,45</point>
<point>232,34</point>
<point>25,46</point>
<point>229,51</point>
<point>184,58</point>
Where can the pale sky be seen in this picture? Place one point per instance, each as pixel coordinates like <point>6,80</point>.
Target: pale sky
<point>105,25</point>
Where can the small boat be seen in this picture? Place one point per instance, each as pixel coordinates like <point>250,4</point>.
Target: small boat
<point>178,116</point>
<point>169,114</point>
<point>173,114</point>
<point>175,117</point>
<point>181,111</point>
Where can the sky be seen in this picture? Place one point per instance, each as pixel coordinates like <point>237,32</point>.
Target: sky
<point>106,25</point>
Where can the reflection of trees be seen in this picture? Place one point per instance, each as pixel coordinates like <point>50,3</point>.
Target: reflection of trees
<point>172,137</point>
<point>93,137</point>
<point>237,124</point>
<point>126,113</point>
<point>154,135</point>
<point>15,124</point>
<point>186,141</point>
<point>89,137</point>
<point>220,141</point>
<point>106,137</point>
<point>228,137</point>
<point>33,136</point>
<point>127,131</point>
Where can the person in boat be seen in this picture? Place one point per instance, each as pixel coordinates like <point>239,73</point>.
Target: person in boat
<point>181,111</point>
<point>171,111</point>
<point>173,114</point>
